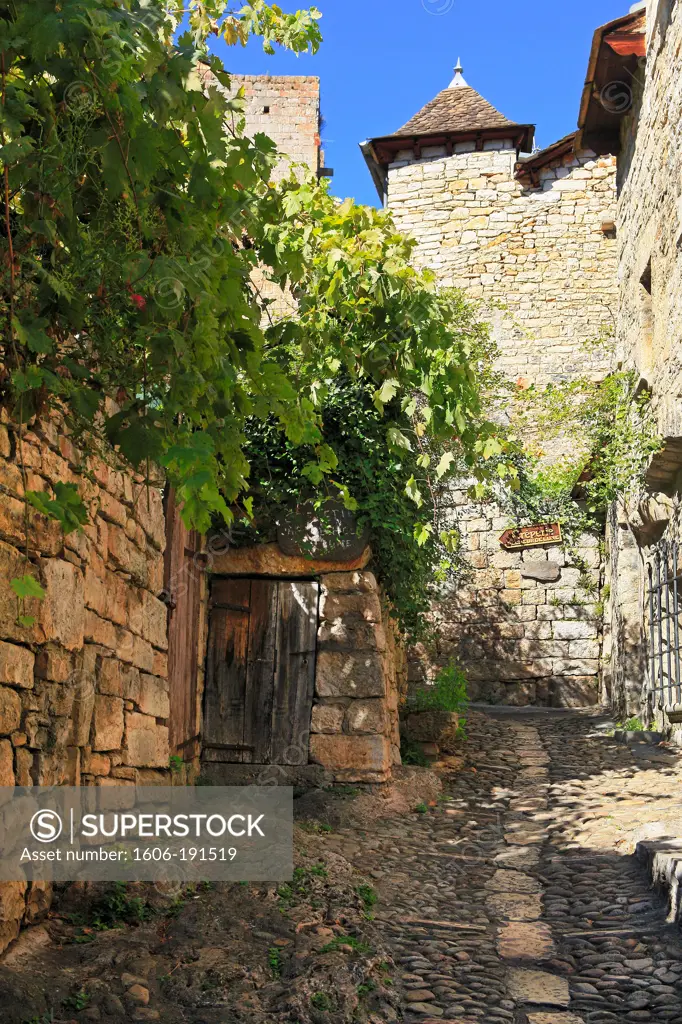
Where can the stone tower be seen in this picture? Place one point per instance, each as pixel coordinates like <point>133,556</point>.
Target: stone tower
<point>532,237</point>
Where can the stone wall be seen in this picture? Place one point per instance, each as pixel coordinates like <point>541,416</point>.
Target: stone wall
<point>83,691</point>
<point>538,241</point>
<point>540,251</point>
<point>649,333</point>
<point>355,724</point>
<point>286,108</point>
<point>526,625</point>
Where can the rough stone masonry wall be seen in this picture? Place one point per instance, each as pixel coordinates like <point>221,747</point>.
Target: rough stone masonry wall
<point>649,330</point>
<point>83,692</point>
<point>526,626</point>
<point>355,725</point>
<point>542,254</point>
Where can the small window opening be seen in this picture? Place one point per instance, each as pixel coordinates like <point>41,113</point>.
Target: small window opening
<point>266,110</point>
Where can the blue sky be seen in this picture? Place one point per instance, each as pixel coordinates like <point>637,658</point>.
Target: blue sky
<point>381,60</point>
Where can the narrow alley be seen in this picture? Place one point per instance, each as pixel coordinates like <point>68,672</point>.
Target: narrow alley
<point>517,898</point>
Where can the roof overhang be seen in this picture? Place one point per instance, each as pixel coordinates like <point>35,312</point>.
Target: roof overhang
<point>382,151</point>
<point>527,169</point>
<point>617,49</point>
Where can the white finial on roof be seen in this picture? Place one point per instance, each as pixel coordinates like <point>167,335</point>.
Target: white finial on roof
<point>458,80</point>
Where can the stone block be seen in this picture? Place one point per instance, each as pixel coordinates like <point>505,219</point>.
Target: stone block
<point>349,582</point>
<point>146,744</point>
<point>154,699</point>
<point>148,508</point>
<point>148,617</point>
<point>12,910</point>
<point>54,663</point>
<point>526,940</point>
<point>355,754</point>
<point>575,630</point>
<point>346,674</point>
<point>351,633</point>
<point>367,716</point>
<point>337,606</point>
<point>575,667</point>
<point>126,556</point>
<point>542,571</point>
<point>10,711</point>
<point>107,723</point>
<point>109,677</point>
<point>62,612</point>
<point>429,726</point>
<point>574,691</point>
<point>116,603</point>
<point>16,666</point>
<point>24,764</point>
<point>538,988</point>
<point>6,763</point>
<point>584,649</point>
<point>95,592</point>
<point>99,631</point>
<point>134,650</point>
<point>130,683</point>
<point>328,718</point>
<point>95,764</point>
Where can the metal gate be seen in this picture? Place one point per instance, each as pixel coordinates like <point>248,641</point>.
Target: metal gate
<point>664,622</point>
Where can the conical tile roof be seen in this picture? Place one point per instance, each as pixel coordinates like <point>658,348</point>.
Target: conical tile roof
<point>459,108</point>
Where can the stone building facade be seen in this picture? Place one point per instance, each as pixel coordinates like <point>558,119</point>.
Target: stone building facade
<point>640,53</point>
<point>532,239</point>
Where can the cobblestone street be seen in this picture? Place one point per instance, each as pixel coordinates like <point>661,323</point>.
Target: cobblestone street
<point>516,899</point>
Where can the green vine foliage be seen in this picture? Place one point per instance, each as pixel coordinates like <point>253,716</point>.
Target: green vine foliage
<point>374,478</point>
<point>133,227</point>
<point>614,438</point>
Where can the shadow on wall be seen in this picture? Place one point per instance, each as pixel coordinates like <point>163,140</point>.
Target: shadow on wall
<point>551,659</point>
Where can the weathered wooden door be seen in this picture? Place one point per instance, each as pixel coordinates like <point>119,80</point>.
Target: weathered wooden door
<point>183,571</point>
<point>260,672</point>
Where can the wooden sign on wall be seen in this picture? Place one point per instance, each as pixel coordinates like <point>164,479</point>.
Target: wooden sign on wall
<point>531,536</point>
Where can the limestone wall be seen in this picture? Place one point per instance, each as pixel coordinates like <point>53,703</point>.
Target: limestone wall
<point>541,259</point>
<point>355,724</point>
<point>541,252</point>
<point>83,692</point>
<point>526,625</point>
<point>649,331</point>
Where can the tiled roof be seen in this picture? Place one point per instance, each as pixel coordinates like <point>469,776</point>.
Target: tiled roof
<point>461,109</point>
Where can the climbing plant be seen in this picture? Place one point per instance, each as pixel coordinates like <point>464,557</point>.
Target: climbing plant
<point>613,437</point>
<point>137,221</point>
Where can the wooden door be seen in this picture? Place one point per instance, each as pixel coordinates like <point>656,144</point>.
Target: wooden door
<point>260,672</point>
<point>184,566</point>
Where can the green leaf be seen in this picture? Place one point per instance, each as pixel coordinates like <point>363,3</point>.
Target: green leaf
<point>27,586</point>
<point>396,439</point>
<point>387,391</point>
<point>32,334</point>
<point>413,492</point>
<point>446,461</point>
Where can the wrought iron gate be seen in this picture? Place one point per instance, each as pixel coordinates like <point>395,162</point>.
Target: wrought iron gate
<point>665,581</point>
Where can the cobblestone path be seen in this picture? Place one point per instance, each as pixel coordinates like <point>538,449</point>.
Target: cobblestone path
<point>510,901</point>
